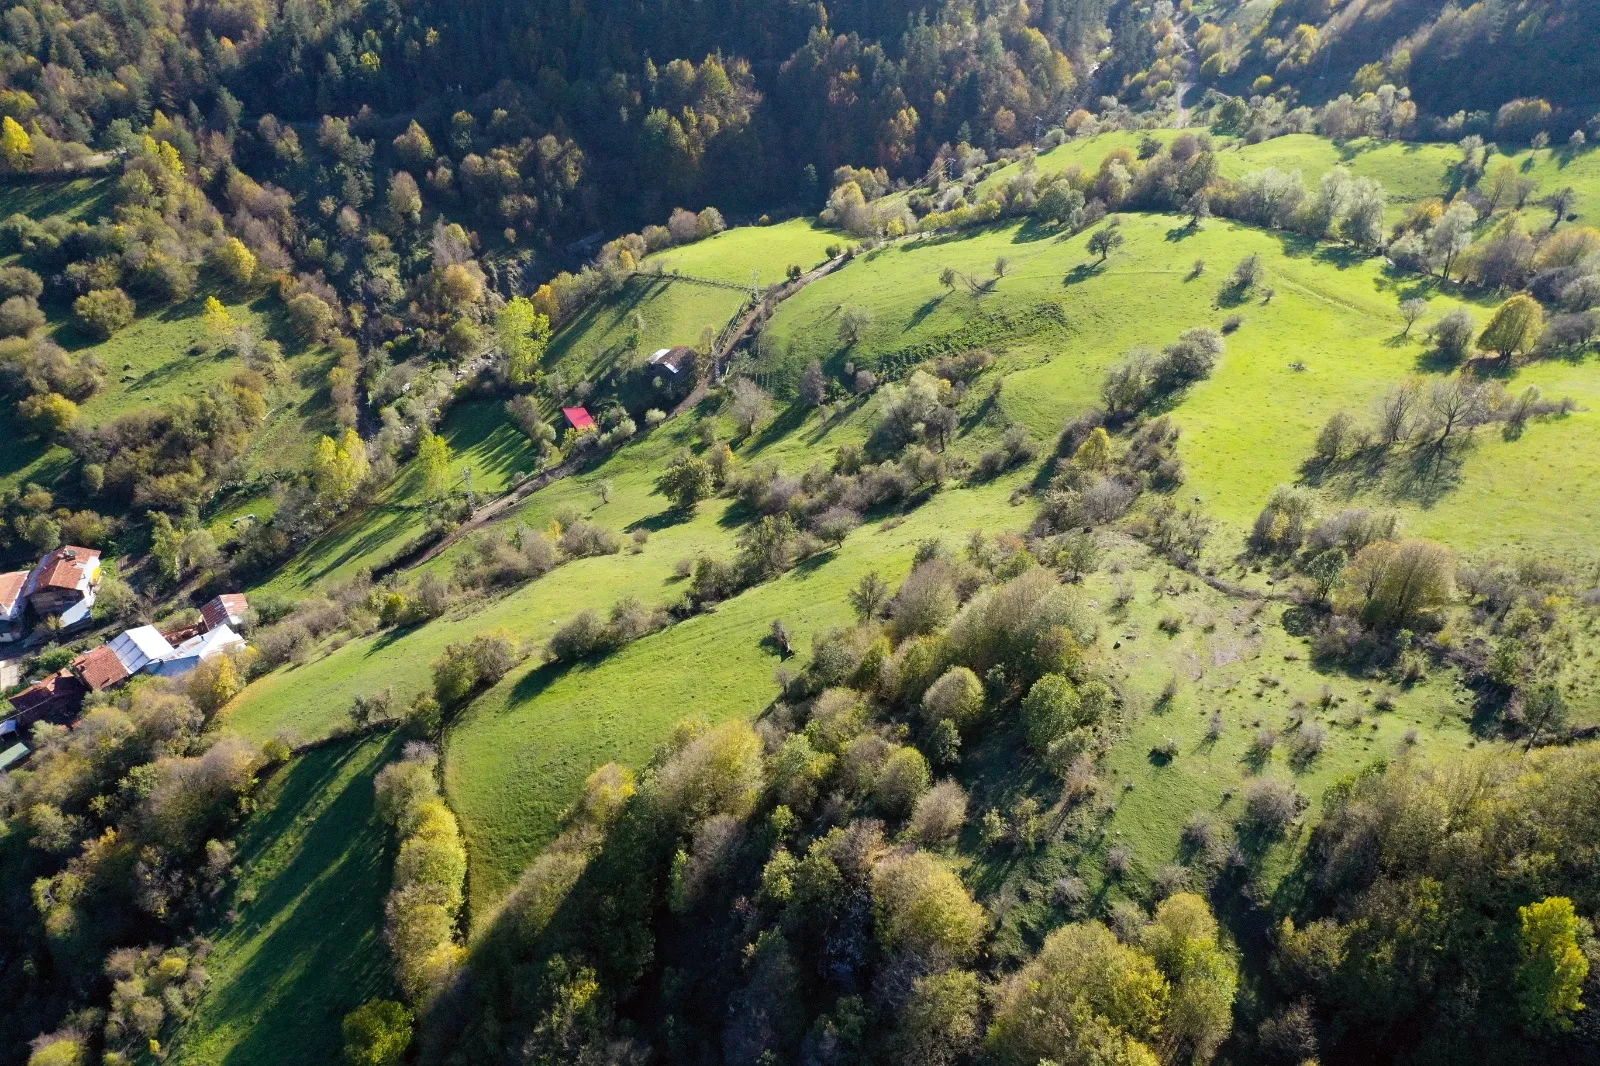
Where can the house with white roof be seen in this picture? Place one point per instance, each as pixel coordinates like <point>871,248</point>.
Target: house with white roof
<point>196,650</point>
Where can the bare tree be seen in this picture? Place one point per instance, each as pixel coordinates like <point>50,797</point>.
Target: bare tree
<point>750,405</point>
<point>1411,311</point>
<point>1396,411</point>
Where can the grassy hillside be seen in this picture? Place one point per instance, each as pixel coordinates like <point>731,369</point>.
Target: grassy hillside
<point>305,948</point>
<point>1061,319</point>
<point>733,255</point>
<point>485,447</point>
<point>1408,171</point>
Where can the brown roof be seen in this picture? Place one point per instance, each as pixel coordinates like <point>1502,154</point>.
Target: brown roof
<point>227,606</point>
<point>63,568</point>
<point>100,668</point>
<point>42,696</point>
<point>11,589</point>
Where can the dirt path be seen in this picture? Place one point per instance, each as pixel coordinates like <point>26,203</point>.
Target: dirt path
<point>731,339</point>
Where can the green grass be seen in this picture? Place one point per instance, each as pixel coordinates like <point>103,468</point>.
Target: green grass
<point>669,313</point>
<point>1231,656</point>
<point>1333,314</point>
<point>306,947</point>
<point>1409,171</point>
<point>519,755</point>
<point>735,254</point>
<point>82,198</point>
<point>487,449</point>
<point>164,354</point>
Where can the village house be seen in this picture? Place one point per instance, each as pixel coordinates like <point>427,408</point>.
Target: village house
<point>63,585</point>
<point>142,649</point>
<point>13,606</point>
<point>673,361</point>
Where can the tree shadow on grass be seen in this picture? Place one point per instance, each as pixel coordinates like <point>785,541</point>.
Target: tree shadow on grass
<point>1178,234</point>
<point>309,948</point>
<point>1341,256</point>
<point>789,419</point>
<point>1081,273</point>
<point>921,314</point>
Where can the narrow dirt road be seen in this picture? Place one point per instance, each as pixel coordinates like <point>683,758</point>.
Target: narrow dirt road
<point>500,506</point>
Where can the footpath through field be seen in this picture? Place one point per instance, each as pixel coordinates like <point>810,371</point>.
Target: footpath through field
<point>730,339</point>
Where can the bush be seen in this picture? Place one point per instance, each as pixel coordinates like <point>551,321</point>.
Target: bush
<point>903,779</point>
<point>102,312</point>
<point>20,316</point>
<point>939,815</point>
<point>1270,809</point>
<point>377,1033</point>
<point>583,539</point>
<point>957,697</point>
<point>469,665</point>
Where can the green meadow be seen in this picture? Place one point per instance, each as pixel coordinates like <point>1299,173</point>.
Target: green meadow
<point>1329,338</point>
<point>303,947</point>
<point>1323,333</point>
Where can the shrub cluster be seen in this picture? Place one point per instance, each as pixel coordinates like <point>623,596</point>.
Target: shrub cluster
<point>430,872</point>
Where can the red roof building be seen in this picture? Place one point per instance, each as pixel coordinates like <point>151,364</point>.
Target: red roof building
<point>63,584</point>
<point>58,697</point>
<point>12,604</point>
<point>100,668</point>
<point>227,609</point>
<point>579,419</point>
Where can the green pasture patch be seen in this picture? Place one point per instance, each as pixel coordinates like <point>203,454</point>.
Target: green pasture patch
<point>306,946</point>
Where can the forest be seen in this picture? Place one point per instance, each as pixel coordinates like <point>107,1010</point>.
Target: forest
<point>974,532</point>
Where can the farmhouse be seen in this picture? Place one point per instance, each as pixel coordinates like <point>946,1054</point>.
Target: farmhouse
<point>63,585</point>
<point>142,649</point>
<point>579,419</point>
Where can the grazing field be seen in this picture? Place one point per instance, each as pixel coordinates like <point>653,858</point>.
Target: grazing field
<point>486,448</point>
<point>1329,338</point>
<point>647,313</point>
<point>520,753</point>
<point>733,255</point>
<point>306,946</point>
<point>1180,652</point>
<point>1409,171</point>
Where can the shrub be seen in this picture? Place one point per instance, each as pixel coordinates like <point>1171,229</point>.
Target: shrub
<point>925,603</point>
<point>584,539</point>
<point>102,312</point>
<point>20,316</point>
<point>957,697</point>
<point>1270,809</point>
<point>469,665</point>
<point>902,780</point>
<point>377,1033</point>
<point>939,814</point>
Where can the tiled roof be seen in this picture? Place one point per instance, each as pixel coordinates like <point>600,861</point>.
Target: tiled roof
<point>11,590</point>
<point>64,568</point>
<point>579,417</point>
<point>62,685</point>
<point>100,668</point>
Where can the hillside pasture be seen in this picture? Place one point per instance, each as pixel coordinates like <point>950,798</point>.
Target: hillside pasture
<point>306,946</point>
<point>1329,338</point>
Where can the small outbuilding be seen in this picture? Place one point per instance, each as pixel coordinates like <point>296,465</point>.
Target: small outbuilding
<point>579,419</point>
<point>672,361</point>
<point>228,609</point>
